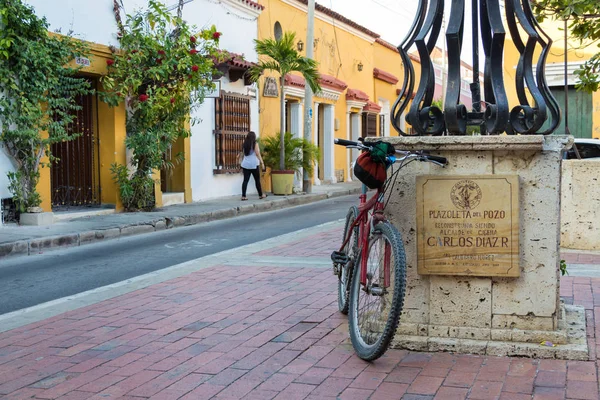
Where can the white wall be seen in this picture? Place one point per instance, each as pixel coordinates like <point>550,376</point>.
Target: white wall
<point>205,184</point>
<point>580,204</point>
<point>93,20</point>
<point>5,167</point>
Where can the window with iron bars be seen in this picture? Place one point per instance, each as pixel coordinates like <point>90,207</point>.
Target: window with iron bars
<point>232,124</point>
<point>369,124</point>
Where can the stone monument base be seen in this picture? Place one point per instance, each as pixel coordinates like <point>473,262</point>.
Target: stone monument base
<point>454,220</point>
<point>568,342</point>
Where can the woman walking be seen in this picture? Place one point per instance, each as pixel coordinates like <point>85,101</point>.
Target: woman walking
<point>250,164</point>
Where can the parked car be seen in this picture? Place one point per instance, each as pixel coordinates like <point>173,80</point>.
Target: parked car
<point>587,148</point>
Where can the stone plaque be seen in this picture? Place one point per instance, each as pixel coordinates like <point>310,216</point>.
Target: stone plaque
<point>270,88</point>
<point>468,225</point>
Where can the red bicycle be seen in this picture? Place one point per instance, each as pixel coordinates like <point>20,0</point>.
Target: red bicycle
<point>371,264</point>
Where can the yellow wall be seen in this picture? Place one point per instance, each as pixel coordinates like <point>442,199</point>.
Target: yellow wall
<point>576,53</point>
<point>111,135</point>
<point>338,53</point>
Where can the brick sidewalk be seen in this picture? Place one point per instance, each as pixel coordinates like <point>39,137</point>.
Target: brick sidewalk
<point>261,332</point>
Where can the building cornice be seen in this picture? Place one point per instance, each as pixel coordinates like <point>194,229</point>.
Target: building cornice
<point>384,76</point>
<point>251,8</point>
<point>293,91</point>
<point>329,94</point>
<point>320,15</point>
<point>355,104</point>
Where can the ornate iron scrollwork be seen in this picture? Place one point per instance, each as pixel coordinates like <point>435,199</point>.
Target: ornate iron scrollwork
<point>541,116</point>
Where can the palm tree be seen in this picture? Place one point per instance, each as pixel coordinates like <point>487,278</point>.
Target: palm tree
<point>284,59</point>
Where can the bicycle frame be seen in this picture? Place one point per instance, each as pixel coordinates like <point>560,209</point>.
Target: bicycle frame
<point>365,223</point>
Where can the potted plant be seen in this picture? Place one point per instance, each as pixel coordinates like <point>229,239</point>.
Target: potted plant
<point>280,56</point>
<point>298,153</point>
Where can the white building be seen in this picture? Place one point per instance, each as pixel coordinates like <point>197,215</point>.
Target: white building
<point>215,140</point>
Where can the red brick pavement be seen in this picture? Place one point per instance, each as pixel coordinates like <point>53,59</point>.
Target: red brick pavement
<point>261,333</point>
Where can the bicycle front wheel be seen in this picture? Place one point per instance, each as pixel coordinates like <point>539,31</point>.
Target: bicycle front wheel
<point>375,307</point>
<point>351,250</point>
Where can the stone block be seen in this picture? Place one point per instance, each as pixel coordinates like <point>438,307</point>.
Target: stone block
<point>263,206</point>
<point>87,237</point>
<point>160,225</point>
<point>501,335</point>
<point>136,230</point>
<point>556,337</point>
<point>415,316</point>
<point>460,301</point>
<point>36,219</point>
<point>467,332</point>
<point>223,214</point>
<point>414,343</point>
<point>523,322</point>
<point>530,350</point>
<point>37,245</point>
<point>14,248</point>
<point>243,210</point>
<point>407,328</point>
<point>442,331</point>
<point>105,234</point>
<point>178,221</point>
<point>458,345</point>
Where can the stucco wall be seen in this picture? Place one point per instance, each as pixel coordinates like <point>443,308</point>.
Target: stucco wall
<point>205,184</point>
<point>94,21</point>
<point>5,167</point>
<point>580,204</point>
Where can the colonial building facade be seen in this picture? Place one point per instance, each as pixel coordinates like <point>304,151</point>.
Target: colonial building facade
<point>82,177</point>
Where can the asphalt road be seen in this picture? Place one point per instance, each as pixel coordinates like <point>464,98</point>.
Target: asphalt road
<point>32,280</point>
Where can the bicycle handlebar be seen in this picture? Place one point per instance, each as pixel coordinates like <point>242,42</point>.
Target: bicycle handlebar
<point>343,142</point>
<point>442,161</point>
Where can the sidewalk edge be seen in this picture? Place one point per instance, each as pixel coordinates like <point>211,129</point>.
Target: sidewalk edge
<point>36,245</point>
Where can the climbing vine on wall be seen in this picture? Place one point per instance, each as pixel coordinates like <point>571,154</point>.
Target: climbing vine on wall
<point>38,88</point>
<point>161,72</point>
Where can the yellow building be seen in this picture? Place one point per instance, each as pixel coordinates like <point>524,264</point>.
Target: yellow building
<point>584,108</point>
<point>82,175</point>
<point>359,78</point>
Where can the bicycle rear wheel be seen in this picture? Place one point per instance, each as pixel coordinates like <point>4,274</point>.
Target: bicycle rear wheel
<point>375,308</point>
<point>351,250</point>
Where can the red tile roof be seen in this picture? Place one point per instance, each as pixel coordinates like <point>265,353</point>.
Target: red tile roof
<point>236,60</point>
<point>341,18</point>
<point>331,82</point>
<point>294,80</point>
<point>384,76</point>
<point>355,94</point>
<point>253,4</point>
<point>372,107</point>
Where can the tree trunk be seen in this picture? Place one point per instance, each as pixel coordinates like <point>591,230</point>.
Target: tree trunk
<point>282,124</point>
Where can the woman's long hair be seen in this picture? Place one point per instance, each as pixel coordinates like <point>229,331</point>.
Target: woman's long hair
<point>249,143</point>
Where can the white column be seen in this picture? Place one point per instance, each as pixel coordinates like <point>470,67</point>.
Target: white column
<point>296,119</point>
<point>328,153</point>
<point>315,124</point>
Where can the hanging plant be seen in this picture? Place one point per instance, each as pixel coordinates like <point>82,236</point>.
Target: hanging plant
<point>38,89</point>
<point>161,72</point>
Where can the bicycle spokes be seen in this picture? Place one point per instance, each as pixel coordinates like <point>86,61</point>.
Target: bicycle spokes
<point>375,295</point>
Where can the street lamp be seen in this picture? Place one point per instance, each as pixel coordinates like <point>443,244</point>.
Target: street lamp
<point>300,45</point>
<point>360,66</point>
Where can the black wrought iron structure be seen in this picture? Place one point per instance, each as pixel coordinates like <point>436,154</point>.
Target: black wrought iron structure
<point>494,114</point>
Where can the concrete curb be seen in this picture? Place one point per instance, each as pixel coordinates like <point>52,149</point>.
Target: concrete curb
<point>34,246</point>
